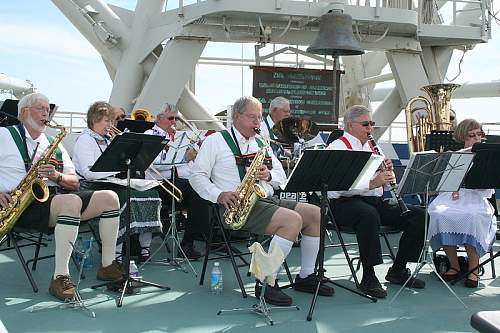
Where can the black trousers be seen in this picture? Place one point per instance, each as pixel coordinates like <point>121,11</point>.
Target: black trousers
<point>365,215</point>
<point>197,209</point>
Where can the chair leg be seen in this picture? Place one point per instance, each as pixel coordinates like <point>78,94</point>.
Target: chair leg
<point>23,263</point>
<point>233,261</point>
<point>391,252</point>
<point>207,251</point>
<point>287,270</point>
<point>492,263</point>
<point>37,251</point>
<point>347,257</point>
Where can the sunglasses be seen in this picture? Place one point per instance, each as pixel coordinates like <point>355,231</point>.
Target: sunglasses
<point>366,123</point>
<point>172,118</point>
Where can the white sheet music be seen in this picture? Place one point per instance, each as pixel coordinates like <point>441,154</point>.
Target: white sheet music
<point>136,184</point>
<point>176,149</point>
<point>366,174</point>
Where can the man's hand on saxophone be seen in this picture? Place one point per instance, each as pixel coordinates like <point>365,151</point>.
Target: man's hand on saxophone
<point>4,199</point>
<point>263,173</point>
<point>229,199</point>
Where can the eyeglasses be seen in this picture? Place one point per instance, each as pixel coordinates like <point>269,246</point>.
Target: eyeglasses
<point>121,117</point>
<point>172,118</point>
<point>366,123</point>
<point>253,116</point>
<point>473,135</point>
<point>39,108</point>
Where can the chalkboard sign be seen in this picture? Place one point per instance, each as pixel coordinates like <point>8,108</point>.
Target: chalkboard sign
<point>308,90</point>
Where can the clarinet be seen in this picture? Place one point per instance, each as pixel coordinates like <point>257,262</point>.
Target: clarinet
<point>401,203</point>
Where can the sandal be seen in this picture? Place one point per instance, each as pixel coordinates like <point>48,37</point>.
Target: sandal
<point>145,254</point>
<point>451,277</point>
<point>469,283</point>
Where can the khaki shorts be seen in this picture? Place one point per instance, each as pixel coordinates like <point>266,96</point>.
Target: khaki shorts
<point>262,212</point>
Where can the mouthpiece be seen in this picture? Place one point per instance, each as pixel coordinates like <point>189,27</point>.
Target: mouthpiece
<point>257,130</point>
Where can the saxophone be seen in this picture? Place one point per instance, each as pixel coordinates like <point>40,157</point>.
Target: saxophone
<point>249,192</point>
<point>32,187</point>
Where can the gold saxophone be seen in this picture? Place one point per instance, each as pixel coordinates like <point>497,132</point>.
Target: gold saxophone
<point>32,187</point>
<point>249,192</point>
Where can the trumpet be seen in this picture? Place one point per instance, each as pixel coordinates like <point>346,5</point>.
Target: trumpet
<point>176,193</point>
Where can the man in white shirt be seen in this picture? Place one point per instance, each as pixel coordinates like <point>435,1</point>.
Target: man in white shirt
<point>365,210</point>
<point>279,109</point>
<point>23,146</point>
<point>179,143</point>
<point>217,173</point>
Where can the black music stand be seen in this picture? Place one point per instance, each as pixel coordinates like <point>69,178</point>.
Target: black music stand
<point>126,152</point>
<point>136,126</point>
<point>430,172</point>
<point>483,175</point>
<point>344,168</point>
<point>441,141</point>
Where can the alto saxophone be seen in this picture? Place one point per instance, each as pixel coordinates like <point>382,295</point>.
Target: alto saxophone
<point>32,187</point>
<point>249,192</point>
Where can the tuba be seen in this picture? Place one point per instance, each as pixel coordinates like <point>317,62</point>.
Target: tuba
<point>142,115</point>
<point>31,187</point>
<point>436,119</point>
<point>249,192</point>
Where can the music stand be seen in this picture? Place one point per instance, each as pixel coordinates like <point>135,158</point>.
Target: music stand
<point>483,175</point>
<point>347,169</point>
<point>129,151</point>
<point>136,126</point>
<point>441,141</point>
<point>430,172</point>
<point>175,156</point>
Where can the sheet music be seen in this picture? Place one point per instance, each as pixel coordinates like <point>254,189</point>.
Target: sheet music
<point>176,150</point>
<point>366,174</point>
<point>136,184</point>
<point>442,172</point>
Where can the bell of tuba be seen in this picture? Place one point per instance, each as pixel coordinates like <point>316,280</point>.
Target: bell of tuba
<point>32,187</point>
<point>435,118</point>
<point>141,114</point>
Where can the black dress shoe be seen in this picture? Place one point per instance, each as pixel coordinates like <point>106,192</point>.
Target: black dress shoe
<point>273,295</point>
<point>469,283</point>
<point>190,252</point>
<point>309,283</point>
<point>400,277</point>
<point>370,285</point>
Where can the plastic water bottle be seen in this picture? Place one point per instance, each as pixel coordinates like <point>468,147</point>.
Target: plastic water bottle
<point>78,249</point>
<point>87,247</point>
<point>216,284</point>
<point>133,270</point>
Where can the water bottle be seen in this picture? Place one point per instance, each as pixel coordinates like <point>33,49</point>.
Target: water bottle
<point>78,250</point>
<point>216,284</point>
<point>87,248</point>
<point>133,270</point>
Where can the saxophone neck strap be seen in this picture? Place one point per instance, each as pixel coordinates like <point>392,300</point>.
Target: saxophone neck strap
<point>236,152</point>
<point>56,160</point>
<point>19,138</point>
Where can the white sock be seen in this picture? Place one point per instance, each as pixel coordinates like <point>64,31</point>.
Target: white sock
<point>145,241</point>
<point>285,246</point>
<point>65,233</point>
<point>108,231</point>
<point>309,247</point>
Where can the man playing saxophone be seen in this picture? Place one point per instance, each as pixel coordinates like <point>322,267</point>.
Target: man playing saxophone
<point>217,173</point>
<point>65,207</point>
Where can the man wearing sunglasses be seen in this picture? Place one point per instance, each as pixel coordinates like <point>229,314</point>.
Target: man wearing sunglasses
<point>365,211</point>
<point>197,209</point>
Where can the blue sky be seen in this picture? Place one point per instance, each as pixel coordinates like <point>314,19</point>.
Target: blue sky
<point>38,43</point>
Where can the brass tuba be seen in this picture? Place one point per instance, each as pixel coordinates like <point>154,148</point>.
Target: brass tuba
<point>32,187</point>
<point>141,114</point>
<point>249,192</point>
<point>437,116</point>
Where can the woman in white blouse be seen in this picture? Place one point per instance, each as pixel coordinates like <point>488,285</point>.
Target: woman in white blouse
<point>465,217</point>
<point>145,204</point>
